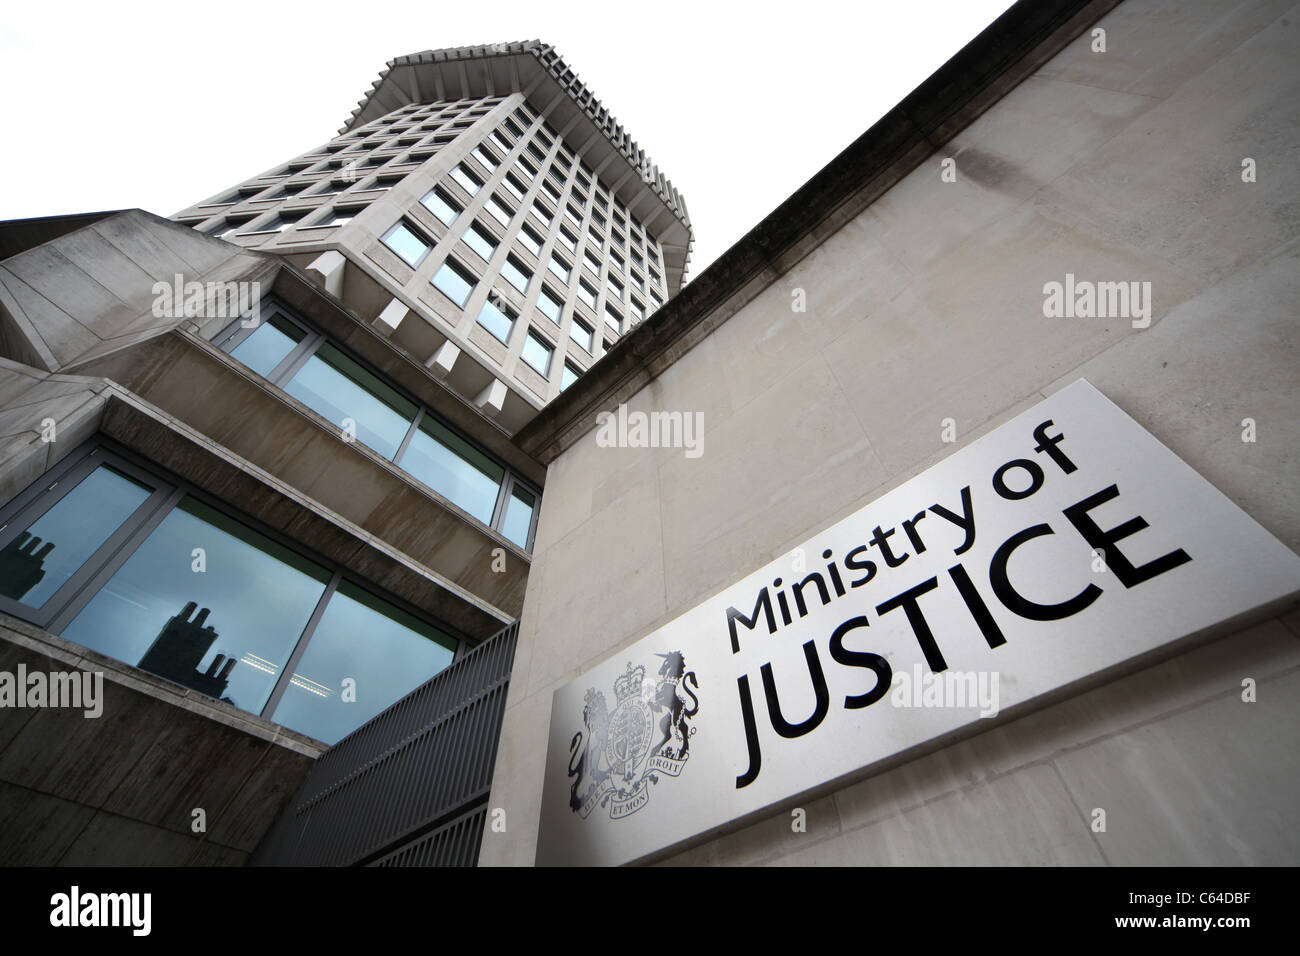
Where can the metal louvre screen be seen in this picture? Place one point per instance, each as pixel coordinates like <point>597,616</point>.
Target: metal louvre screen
<point>408,788</point>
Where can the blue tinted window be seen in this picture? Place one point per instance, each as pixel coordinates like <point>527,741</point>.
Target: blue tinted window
<point>268,345</point>
<point>455,469</point>
<point>385,652</point>
<point>519,517</point>
<point>453,283</point>
<point>42,558</point>
<point>343,392</point>
<point>248,600</point>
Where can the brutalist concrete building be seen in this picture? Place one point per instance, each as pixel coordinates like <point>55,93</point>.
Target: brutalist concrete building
<point>1007,393</point>
<point>258,467</point>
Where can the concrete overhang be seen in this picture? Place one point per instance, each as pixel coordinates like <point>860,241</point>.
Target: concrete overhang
<point>534,69</point>
<point>1010,49</point>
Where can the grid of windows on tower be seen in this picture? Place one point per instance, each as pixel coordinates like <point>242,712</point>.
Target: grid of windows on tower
<point>573,223</point>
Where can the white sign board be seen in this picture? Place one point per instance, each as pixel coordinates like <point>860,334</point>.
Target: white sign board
<point>1063,543</point>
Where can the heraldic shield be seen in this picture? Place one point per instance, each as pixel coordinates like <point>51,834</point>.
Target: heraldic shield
<point>618,756</point>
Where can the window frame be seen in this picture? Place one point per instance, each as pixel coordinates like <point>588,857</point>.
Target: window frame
<point>66,603</point>
<point>234,334</point>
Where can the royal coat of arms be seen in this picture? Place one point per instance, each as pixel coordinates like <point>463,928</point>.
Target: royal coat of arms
<point>621,753</point>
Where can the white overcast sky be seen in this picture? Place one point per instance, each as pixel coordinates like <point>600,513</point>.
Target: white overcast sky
<point>110,105</point>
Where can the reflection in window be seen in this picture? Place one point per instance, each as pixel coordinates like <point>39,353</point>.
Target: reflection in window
<point>249,605</point>
<point>384,651</point>
<point>342,391</point>
<point>42,558</point>
<point>455,469</point>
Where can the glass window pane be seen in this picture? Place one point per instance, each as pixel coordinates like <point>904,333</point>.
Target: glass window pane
<point>268,345</point>
<point>519,517</point>
<point>513,273</point>
<point>549,306</point>
<point>53,548</point>
<point>568,376</point>
<point>455,469</point>
<point>248,604</point>
<point>437,204</point>
<point>480,242</point>
<point>387,652</point>
<point>406,244</point>
<point>580,334</point>
<point>537,354</point>
<point>452,283</point>
<point>495,321</point>
<point>339,389</point>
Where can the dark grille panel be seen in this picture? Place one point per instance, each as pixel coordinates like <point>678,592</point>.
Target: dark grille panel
<point>409,787</point>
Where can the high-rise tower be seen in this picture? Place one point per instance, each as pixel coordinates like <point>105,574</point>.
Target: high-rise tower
<point>483,210</point>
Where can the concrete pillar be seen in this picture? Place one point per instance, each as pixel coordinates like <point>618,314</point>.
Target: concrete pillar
<point>443,359</point>
<point>330,265</point>
<point>391,317</point>
<point>492,398</point>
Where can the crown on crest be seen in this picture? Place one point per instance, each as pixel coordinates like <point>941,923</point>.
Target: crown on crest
<point>629,685</point>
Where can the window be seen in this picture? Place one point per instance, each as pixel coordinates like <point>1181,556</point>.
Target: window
<point>581,333</point>
<point>305,364</point>
<point>559,269</point>
<point>337,216</point>
<point>586,293</point>
<point>332,187</point>
<point>542,215</point>
<point>278,223</point>
<point>552,188</point>
<point>385,182</point>
<point>454,468</point>
<point>442,206</point>
<point>593,262</point>
<point>502,140</point>
<point>526,165</point>
<point>468,181</point>
<point>568,376</point>
<point>454,282</point>
<point>515,186</point>
<point>485,157</point>
<point>549,305</point>
<point>569,239</point>
<point>498,318</point>
<point>654,274</point>
<point>353,399</point>
<point>500,211</point>
<point>90,554</point>
<point>407,243</point>
<point>537,353</point>
<point>613,319</point>
<point>531,239</point>
<point>481,241</point>
<point>514,272</point>
<point>638,310</point>
<point>518,522</point>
